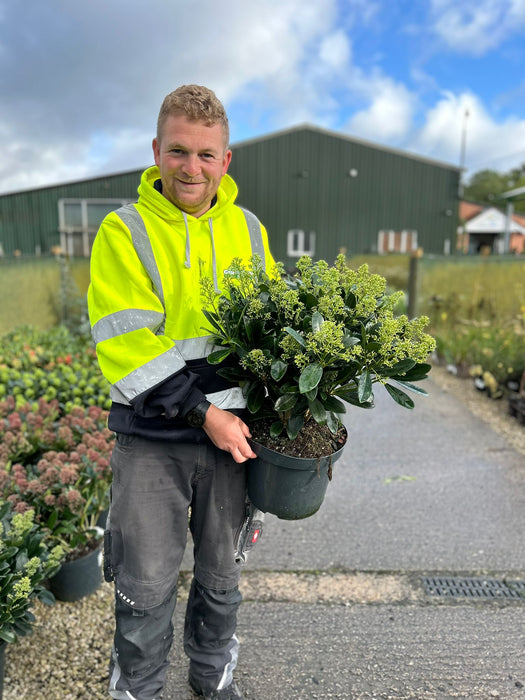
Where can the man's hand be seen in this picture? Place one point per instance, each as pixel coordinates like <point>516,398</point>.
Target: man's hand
<point>228,432</point>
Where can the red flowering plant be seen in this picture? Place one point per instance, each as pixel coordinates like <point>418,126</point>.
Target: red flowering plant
<point>58,466</point>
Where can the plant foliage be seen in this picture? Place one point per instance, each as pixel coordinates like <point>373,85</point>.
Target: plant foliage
<point>302,346</point>
<point>25,563</point>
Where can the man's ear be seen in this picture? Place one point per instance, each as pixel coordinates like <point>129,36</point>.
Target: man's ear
<point>156,150</point>
<point>226,162</point>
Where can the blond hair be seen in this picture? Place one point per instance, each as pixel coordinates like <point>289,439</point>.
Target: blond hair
<point>197,103</point>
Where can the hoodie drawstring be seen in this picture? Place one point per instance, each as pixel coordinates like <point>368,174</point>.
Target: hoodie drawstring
<point>214,260</point>
<point>187,261</point>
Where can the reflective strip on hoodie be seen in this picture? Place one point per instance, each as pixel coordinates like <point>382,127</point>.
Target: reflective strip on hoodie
<point>254,229</point>
<point>142,244</point>
<point>152,373</point>
<point>126,321</point>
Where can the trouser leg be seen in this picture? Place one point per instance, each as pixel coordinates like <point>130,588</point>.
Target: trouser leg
<point>148,526</point>
<point>218,513</point>
<point>209,636</point>
<point>140,653</point>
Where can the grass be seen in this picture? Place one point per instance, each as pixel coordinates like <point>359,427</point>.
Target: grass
<point>476,305</point>
<point>30,291</point>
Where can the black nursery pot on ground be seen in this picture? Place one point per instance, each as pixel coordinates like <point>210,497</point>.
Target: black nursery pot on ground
<point>80,577</point>
<point>292,488</point>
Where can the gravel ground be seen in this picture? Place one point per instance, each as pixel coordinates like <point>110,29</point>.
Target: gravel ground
<point>66,657</point>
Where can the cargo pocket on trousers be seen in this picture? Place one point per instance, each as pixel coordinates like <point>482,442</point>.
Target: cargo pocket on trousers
<point>108,568</point>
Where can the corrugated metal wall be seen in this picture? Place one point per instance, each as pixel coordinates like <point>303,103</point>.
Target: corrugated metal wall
<point>29,220</point>
<point>344,190</point>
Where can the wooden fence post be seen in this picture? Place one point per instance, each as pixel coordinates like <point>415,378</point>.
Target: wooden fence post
<point>413,282</point>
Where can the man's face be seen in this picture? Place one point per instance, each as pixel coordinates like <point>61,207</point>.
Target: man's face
<point>192,158</point>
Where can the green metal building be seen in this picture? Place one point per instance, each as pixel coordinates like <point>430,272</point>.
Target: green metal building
<point>317,192</point>
<point>320,193</point>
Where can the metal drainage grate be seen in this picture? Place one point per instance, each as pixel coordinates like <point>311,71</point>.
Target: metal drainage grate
<point>481,588</point>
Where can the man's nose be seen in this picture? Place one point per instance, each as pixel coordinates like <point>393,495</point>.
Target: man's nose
<point>191,165</point>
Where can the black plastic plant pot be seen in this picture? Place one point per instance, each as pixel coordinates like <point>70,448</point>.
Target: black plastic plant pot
<point>292,488</point>
<point>78,578</point>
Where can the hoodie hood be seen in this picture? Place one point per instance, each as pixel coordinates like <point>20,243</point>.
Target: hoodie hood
<point>152,197</point>
<point>155,200</point>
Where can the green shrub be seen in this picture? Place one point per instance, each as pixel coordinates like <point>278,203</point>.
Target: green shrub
<point>52,364</point>
<point>477,313</point>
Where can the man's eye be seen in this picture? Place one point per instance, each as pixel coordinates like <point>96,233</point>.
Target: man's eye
<point>176,151</point>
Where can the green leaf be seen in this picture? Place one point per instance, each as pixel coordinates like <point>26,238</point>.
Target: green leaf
<point>350,300</point>
<point>401,367</point>
<point>310,377</point>
<point>255,397</point>
<point>21,559</point>
<point>416,374</point>
<point>218,356</point>
<point>297,336</point>
<point>351,396</point>
<point>349,340</point>
<point>333,422</point>
<point>309,300</point>
<point>318,411</point>
<point>294,425</point>
<point>317,321</point>
<point>364,386</point>
<point>285,402</point>
<point>46,597</point>
<point>276,429</point>
<point>8,635</point>
<point>278,369</point>
<point>331,403</point>
<point>52,519</point>
<point>212,318</point>
<point>399,396</point>
<point>312,395</point>
<point>412,387</point>
<point>232,374</point>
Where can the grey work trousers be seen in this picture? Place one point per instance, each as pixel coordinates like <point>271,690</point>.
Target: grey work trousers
<point>154,485</point>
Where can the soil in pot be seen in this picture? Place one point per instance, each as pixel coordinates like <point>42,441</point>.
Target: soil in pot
<point>313,440</point>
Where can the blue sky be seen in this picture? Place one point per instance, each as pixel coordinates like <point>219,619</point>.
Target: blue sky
<point>81,83</point>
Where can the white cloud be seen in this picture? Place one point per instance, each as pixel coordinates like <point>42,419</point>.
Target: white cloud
<point>81,83</point>
<point>488,144</point>
<point>476,26</point>
<point>390,112</point>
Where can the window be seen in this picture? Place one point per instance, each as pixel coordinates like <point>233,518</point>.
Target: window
<point>396,241</point>
<point>78,222</point>
<point>300,242</point>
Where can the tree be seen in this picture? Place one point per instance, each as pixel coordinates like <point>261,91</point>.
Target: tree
<point>485,187</point>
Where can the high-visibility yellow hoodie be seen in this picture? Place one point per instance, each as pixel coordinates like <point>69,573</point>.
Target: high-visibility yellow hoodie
<point>145,309</point>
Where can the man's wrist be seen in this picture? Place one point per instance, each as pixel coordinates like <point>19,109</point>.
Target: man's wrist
<point>196,416</point>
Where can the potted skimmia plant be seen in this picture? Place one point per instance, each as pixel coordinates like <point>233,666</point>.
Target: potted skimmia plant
<point>301,346</point>
<point>25,563</point>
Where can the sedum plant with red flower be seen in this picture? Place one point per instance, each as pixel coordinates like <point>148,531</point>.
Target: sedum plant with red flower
<point>58,466</point>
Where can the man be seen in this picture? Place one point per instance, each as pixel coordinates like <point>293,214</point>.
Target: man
<point>181,442</point>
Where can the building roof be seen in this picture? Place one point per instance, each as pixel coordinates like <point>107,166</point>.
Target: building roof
<point>467,210</point>
<point>492,220</point>
<point>344,137</point>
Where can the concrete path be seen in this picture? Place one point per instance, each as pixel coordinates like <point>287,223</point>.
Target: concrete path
<point>335,606</point>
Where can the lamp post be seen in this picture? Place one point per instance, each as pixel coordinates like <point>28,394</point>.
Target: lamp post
<point>463,151</point>
<point>510,212</point>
